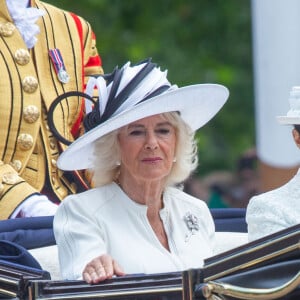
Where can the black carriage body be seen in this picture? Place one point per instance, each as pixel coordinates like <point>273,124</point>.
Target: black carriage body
<point>268,268</point>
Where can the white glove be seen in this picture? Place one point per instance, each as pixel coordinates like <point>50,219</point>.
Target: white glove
<point>35,206</point>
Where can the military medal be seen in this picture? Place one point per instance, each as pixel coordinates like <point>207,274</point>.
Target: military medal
<point>59,65</point>
<point>63,76</point>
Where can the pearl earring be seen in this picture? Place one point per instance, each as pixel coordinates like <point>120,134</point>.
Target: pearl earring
<point>174,159</point>
<point>118,163</point>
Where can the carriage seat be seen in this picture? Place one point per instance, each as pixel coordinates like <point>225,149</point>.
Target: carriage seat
<point>36,236</point>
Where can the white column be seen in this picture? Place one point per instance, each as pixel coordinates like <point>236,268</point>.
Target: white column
<point>276,54</point>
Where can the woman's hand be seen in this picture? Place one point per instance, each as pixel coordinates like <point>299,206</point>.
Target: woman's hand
<point>101,268</point>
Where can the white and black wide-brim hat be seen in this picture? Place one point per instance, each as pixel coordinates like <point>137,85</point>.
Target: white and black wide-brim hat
<point>293,115</point>
<point>135,92</point>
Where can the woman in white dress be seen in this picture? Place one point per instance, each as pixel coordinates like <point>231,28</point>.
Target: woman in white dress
<point>280,208</point>
<point>140,146</point>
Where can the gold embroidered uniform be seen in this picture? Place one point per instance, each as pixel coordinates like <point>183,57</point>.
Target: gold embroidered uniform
<point>28,86</point>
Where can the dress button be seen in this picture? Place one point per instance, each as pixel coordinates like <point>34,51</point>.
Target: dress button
<point>16,164</point>
<point>25,141</point>
<point>22,57</point>
<point>7,29</point>
<point>53,162</point>
<point>10,178</point>
<point>31,113</point>
<point>30,84</point>
<point>52,145</point>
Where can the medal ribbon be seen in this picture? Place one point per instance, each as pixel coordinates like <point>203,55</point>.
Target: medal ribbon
<point>57,60</point>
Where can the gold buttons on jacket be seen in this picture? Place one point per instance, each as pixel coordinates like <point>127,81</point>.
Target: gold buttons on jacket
<point>52,145</point>
<point>22,57</point>
<point>53,162</point>
<point>7,29</point>
<point>25,141</point>
<point>16,164</point>
<point>31,113</point>
<point>10,178</point>
<point>30,84</point>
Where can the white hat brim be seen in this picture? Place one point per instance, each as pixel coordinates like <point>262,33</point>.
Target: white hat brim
<point>197,104</point>
<point>284,120</point>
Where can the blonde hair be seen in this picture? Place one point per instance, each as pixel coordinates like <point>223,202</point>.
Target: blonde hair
<point>107,154</point>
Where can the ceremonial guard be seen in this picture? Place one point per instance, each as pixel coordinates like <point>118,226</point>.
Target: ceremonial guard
<point>44,52</point>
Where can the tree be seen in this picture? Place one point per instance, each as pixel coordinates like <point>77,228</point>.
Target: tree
<point>198,41</point>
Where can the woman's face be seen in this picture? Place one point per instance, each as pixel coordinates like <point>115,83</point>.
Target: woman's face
<point>147,148</point>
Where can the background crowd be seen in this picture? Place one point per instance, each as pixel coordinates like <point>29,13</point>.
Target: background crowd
<point>224,188</point>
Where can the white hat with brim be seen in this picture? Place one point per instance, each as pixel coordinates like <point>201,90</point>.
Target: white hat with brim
<point>196,104</point>
<point>284,120</point>
<point>293,115</point>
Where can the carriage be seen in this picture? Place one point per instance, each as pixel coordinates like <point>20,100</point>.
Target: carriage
<point>268,268</point>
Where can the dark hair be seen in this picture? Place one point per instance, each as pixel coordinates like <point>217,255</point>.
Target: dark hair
<point>297,127</point>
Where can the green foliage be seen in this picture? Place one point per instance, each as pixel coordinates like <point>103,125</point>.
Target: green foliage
<point>198,41</point>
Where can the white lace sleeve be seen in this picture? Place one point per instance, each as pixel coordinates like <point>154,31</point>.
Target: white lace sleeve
<point>275,210</point>
<point>269,213</point>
